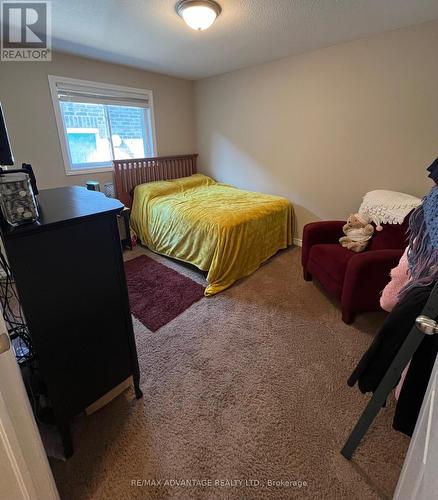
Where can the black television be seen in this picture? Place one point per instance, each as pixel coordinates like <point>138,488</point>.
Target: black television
<point>6,157</point>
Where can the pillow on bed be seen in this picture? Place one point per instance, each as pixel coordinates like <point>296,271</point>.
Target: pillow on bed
<point>157,188</point>
<point>194,180</point>
<point>160,188</point>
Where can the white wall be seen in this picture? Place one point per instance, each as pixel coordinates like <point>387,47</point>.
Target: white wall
<point>323,128</point>
<point>25,96</point>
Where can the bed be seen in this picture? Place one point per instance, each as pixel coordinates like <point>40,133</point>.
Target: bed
<point>220,229</point>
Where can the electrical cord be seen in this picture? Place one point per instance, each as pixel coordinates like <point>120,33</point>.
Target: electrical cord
<point>13,314</point>
<point>22,343</point>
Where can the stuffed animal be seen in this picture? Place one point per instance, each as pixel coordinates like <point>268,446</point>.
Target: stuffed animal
<point>358,231</point>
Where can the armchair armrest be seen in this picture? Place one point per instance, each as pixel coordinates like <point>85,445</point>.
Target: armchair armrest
<point>320,232</point>
<point>366,276</point>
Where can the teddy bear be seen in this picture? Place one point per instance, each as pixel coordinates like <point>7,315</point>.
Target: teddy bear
<point>358,231</point>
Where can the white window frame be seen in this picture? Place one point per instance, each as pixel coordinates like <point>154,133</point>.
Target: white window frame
<point>62,132</point>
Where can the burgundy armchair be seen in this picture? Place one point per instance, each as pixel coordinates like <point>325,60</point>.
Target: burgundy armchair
<point>355,279</point>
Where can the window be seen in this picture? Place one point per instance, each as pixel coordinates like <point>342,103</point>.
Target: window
<point>99,123</point>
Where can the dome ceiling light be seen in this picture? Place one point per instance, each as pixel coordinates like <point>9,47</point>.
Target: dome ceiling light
<point>198,14</point>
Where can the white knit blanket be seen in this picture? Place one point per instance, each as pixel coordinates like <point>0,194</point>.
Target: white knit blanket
<point>387,207</point>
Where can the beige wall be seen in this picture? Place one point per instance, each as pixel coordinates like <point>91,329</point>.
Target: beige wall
<point>324,128</point>
<point>321,128</point>
<point>25,96</point>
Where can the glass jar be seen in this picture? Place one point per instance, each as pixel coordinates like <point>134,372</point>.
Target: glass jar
<point>17,200</point>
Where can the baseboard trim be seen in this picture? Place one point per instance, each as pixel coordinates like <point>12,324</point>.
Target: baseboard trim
<point>298,242</point>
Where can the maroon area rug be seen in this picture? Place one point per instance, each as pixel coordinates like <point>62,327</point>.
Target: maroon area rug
<point>158,294</point>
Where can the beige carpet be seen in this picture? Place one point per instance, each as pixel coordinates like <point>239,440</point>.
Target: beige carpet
<point>249,385</point>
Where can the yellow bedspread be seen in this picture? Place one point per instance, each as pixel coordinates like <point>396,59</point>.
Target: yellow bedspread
<point>218,228</point>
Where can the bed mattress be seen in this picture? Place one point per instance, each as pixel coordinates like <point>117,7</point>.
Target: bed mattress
<point>220,229</point>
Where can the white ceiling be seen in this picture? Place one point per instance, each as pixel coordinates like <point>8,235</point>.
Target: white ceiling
<point>148,33</point>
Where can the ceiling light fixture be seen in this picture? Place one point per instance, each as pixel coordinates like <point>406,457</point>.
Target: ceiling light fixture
<point>198,14</point>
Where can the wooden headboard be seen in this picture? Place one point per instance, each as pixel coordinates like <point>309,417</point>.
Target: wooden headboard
<point>131,173</point>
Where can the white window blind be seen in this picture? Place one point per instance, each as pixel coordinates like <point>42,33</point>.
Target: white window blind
<point>90,94</point>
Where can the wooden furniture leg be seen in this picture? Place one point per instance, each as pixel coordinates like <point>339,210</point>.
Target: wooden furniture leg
<point>348,317</point>
<point>307,276</point>
<point>67,442</point>
<point>138,391</point>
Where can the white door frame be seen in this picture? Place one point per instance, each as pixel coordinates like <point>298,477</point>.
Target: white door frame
<point>24,469</point>
<point>419,478</point>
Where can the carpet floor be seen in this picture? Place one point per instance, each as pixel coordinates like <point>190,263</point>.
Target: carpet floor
<point>248,385</point>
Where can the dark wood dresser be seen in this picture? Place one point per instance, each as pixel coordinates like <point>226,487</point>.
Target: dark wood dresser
<point>70,278</point>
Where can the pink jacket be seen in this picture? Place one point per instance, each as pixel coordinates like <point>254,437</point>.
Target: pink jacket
<point>389,298</point>
<point>399,278</point>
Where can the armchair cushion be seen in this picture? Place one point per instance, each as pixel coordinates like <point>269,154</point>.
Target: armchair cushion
<point>329,263</point>
<point>320,232</point>
<point>392,236</point>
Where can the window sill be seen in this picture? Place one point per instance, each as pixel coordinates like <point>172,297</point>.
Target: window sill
<point>99,170</point>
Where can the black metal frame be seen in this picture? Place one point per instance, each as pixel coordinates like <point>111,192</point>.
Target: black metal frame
<point>424,325</point>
